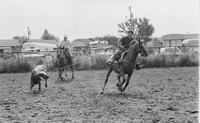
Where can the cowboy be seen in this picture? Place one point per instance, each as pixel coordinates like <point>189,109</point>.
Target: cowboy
<point>123,44</point>
<point>64,44</point>
<point>37,73</point>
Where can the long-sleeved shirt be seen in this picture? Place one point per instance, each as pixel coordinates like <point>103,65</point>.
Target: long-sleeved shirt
<point>124,42</point>
<point>63,44</point>
<point>40,69</point>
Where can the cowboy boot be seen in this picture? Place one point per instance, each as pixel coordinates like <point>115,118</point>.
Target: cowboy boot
<point>110,60</point>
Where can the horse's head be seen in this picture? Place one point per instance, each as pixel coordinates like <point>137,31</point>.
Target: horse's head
<point>139,48</point>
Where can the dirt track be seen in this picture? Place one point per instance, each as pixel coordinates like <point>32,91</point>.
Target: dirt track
<point>154,95</point>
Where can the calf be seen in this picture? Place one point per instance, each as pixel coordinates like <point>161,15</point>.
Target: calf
<point>38,72</point>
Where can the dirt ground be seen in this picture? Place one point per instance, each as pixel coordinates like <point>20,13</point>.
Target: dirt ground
<point>158,95</point>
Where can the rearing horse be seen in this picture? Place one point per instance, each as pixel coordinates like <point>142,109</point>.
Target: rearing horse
<point>127,65</point>
<point>64,62</point>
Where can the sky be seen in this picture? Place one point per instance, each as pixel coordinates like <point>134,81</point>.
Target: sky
<point>91,18</point>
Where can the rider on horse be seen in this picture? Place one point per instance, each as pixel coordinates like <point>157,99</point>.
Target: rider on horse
<point>64,45</point>
<point>123,44</point>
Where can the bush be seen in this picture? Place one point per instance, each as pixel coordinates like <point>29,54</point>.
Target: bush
<point>91,62</point>
<point>15,66</point>
<point>188,60</point>
<point>161,60</point>
<point>85,62</point>
<point>98,62</point>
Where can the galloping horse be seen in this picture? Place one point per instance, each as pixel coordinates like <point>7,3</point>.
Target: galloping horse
<point>126,66</point>
<point>64,62</point>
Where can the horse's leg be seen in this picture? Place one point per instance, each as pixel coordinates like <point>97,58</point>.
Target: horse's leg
<point>123,81</point>
<point>61,71</point>
<point>45,83</point>
<point>72,70</point>
<point>108,74</point>
<point>122,74</point>
<point>127,82</point>
<point>39,85</point>
<point>65,71</point>
<point>59,75</point>
<point>119,83</point>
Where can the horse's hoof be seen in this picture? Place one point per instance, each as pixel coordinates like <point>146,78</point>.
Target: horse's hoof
<point>101,92</point>
<point>120,89</point>
<point>118,84</point>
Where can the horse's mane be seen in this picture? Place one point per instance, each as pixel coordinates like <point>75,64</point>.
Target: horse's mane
<point>132,46</point>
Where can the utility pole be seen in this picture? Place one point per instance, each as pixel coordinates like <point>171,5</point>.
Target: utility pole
<point>130,12</point>
<point>76,28</point>
<point>29,33</point>
<point>131,19</point>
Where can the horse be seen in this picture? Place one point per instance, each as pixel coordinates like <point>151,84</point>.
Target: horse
<point>64,62</point>
<point>126,66</point>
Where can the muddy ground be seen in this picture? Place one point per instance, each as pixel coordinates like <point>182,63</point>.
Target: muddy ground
<point>158,95</point>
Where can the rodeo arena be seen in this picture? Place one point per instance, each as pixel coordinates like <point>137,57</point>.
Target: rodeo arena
<point>128,78</point>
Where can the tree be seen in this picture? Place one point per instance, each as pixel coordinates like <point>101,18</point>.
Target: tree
<point>112,40</point>
<point>47,36</point>
<point>21,39</point>
<point>141,28</point>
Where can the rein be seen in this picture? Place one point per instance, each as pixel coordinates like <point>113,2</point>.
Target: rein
<point>125,52</point>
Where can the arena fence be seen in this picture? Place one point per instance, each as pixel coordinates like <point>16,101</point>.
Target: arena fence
<point>187,56</point>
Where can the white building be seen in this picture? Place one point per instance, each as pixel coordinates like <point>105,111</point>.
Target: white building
<point>98,44</point>
<point>101,48</point>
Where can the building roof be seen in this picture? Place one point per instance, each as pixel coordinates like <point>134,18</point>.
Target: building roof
<point>9,43</point>
<point>191,36</point>
<point>179,36</point>
<point>173,37</point>
<point>44,41</point>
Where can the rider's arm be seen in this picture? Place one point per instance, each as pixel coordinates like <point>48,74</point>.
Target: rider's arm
<point>119,44</point>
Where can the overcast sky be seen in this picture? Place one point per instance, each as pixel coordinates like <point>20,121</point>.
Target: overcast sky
<point>91,18</point>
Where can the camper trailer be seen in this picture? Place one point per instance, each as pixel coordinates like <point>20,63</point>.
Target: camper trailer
<point>38,48</point>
